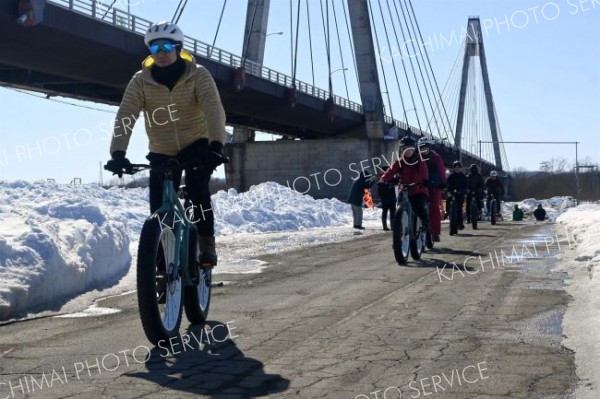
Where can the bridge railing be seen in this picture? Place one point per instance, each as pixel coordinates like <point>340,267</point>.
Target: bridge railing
<point>130,22</point>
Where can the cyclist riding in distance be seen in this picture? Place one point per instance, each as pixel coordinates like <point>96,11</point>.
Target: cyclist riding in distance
<point>458,186</point>
<point>494,188</point>
<point>411,169</point>
<point>437,182</point>
<point>188,124</point>
<point>477,186</point>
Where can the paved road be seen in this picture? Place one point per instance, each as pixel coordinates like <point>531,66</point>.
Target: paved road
<point>335,321</point>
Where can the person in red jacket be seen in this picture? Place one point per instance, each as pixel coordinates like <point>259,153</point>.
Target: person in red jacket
<point>411,169</point>
<point>437,182</point>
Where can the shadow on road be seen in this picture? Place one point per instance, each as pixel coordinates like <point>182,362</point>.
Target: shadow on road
<point>215,367</point>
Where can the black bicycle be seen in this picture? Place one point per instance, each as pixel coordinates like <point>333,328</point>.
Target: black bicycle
<point>474,210</point>
<point>409,234</point>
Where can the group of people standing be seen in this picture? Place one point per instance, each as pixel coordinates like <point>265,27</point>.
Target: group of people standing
<point>423,170</point>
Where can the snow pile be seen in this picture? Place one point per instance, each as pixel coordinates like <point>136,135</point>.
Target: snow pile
<point>582,319</point>
<point>553,206</point>
<point>270,207</point>
<point>58,241</point>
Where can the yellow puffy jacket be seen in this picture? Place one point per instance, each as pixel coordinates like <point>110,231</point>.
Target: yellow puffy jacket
<point>173,119</point>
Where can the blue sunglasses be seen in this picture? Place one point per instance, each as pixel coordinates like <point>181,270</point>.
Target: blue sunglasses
<point>165,47</point>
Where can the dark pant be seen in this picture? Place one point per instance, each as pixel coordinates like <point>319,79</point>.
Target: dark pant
<point>196,182</point>
<point>459,201</point>
<point>384,212</point>
<point>420,205</point>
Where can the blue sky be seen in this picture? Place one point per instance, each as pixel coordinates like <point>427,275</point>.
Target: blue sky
<point>543,59</point>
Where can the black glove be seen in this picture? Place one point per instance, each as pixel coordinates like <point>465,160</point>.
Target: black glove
<point>215,157</point>
<point>119,164</point>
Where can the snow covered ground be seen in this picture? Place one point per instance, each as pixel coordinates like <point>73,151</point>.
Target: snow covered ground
<point>59,241</point>
<point>582,320</point>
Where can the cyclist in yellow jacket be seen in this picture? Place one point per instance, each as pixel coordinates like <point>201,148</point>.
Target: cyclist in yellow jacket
<point>184,119</point>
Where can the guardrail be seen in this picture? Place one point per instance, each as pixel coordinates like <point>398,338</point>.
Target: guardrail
<point>122,19</point>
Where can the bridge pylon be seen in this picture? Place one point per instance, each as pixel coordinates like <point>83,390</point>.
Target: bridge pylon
<point>475,48</point>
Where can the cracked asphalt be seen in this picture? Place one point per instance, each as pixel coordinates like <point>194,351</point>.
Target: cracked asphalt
<point>333,321</point>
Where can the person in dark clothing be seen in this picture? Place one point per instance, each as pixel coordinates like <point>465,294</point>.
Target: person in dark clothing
<point>458,186</point>
<point>411,169</point>
<point>476,188</point>
<point>494,189</point>
<point>355,197</point>
<point>387,193</point>
<point>517,214</point>
<point>540,213</point>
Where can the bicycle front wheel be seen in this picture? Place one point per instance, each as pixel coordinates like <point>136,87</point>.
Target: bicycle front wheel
<point>159,287</point>
<point>401,235</point>
<point>417,241</point>
<point>493,212</point>
<point>453,218</point>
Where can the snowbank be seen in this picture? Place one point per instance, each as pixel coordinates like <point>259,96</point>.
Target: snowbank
<point>582,319</point>
<point>553,206</point>
<point>58,241</point>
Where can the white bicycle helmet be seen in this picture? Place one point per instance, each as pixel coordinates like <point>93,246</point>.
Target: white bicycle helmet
<point>426,141</point>
<point>163,30</point>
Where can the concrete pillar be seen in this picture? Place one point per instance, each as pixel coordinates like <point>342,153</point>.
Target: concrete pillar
<point>256,33</point>
<point>367,68</point>
<point>253,47</point>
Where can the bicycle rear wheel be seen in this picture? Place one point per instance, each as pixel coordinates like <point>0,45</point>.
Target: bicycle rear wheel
<point>401,236</point>
<point>197,297</point>
<point>159,289</point>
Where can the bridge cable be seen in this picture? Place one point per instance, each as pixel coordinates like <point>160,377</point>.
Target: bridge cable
<point>47,97</point>
<point>218,28</point>
<point>387,36</point>
<point>340,48</point>
<point>108,9</point>
<point>312,64</point>
<point>381,66</point>
<point>433,74</point>
<point>180,10</point>
<point>410,58</point>
<point>414,34</point>
<point>406,75</point>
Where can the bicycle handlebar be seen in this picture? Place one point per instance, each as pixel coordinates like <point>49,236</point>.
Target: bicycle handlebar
<point>172,165</point>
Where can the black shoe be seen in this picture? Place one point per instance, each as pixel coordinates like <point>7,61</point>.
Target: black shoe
<point>461,227</point>
<point>359,227</point>
<point>385,228</point>
<point>436,238</point>
<point>428,241</point>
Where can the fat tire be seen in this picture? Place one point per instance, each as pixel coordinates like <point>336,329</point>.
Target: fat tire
<point>417,241</point>
<point>397,233</point>
<point>148,251</point>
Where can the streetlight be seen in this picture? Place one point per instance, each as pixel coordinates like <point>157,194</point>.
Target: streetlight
<point>274,33</point>
<point>341,69</point>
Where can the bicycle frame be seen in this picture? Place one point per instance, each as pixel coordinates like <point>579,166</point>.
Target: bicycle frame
<point>180,224</point>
